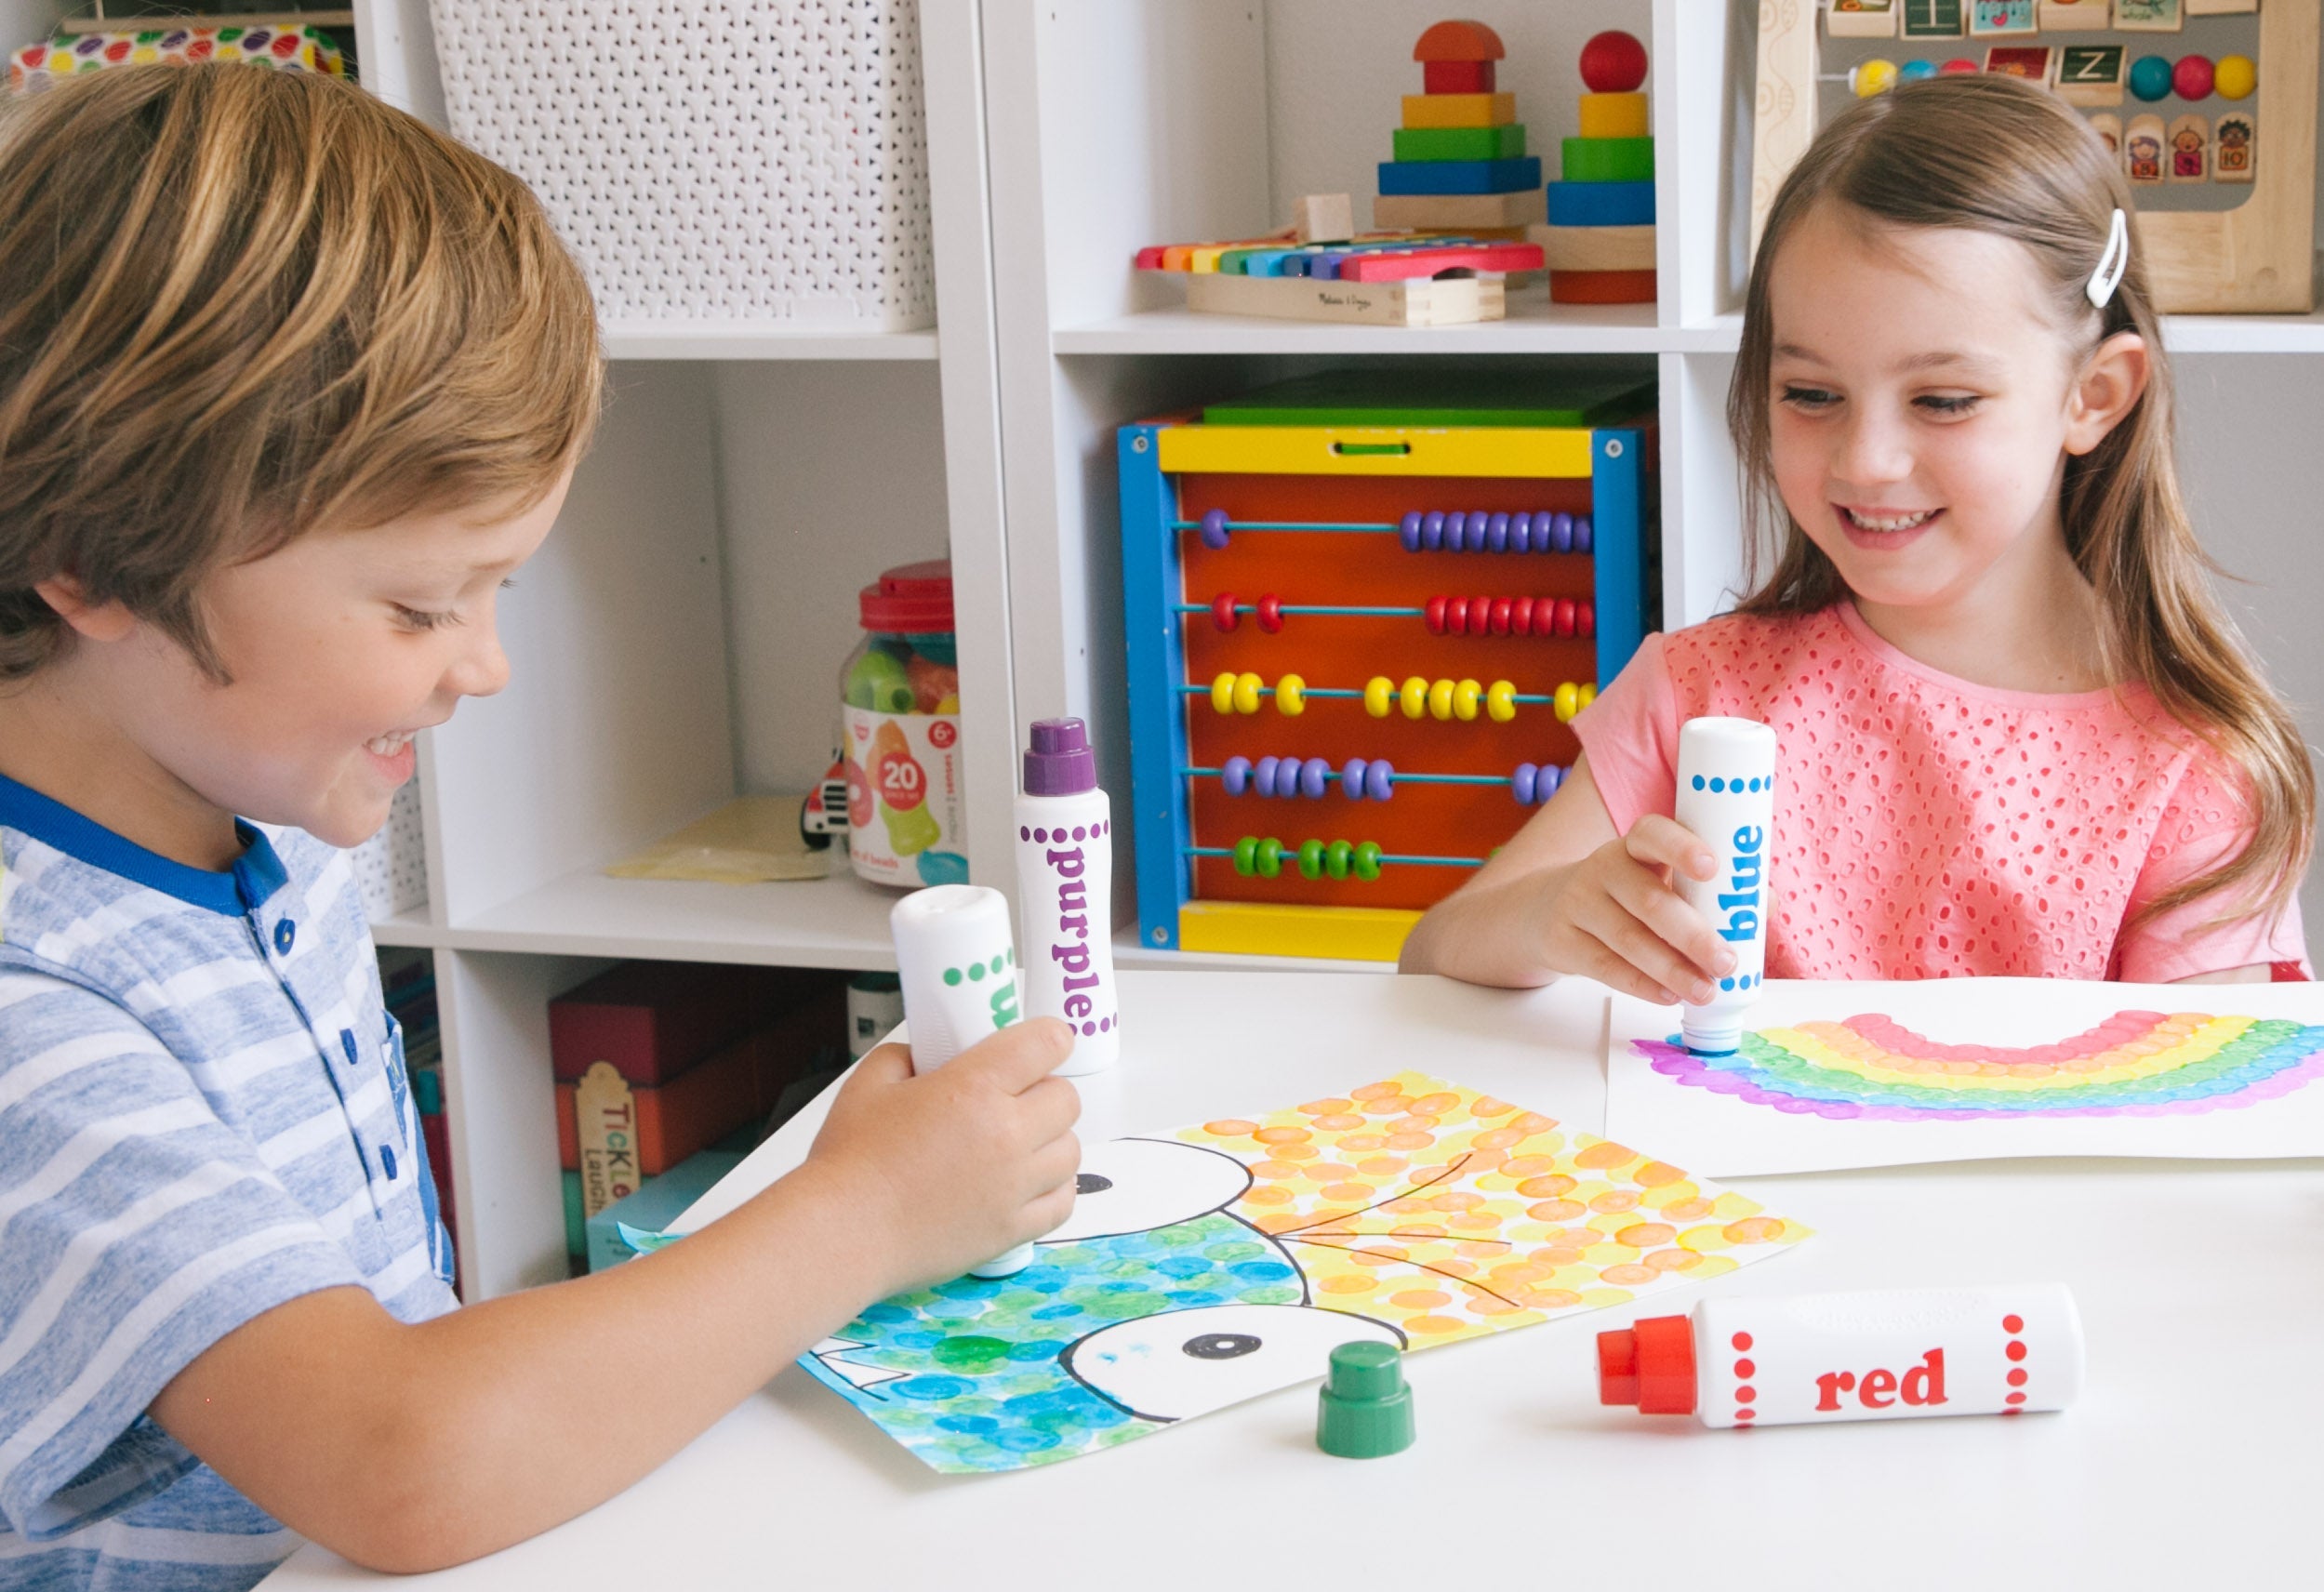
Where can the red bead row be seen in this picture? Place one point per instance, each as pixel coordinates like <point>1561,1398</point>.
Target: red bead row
<point>1269,608</point>
<point>1511,617</point>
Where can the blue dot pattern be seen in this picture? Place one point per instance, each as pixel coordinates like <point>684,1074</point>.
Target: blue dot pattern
<point>983,1387</point>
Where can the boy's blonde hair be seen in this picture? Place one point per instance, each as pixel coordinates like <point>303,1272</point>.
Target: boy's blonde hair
<point>1993,155</point>
<point>238,305</point>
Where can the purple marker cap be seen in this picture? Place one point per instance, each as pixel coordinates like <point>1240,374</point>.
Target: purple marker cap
<point>1060,762</point>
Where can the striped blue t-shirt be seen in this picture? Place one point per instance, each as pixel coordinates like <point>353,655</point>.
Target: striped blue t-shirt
<point>204,1114</point>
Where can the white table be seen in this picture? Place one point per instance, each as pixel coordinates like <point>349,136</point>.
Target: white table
<point>2193,1459</point>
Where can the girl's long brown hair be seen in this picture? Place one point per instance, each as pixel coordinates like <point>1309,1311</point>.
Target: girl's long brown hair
<point>1996,155</point>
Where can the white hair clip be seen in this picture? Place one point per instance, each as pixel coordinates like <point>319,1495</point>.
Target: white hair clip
<point>2113,262</point>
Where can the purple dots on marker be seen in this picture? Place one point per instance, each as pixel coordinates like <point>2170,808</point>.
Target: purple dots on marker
<point>1024,834</point>
<point>1105,1024</point>
<point>1079,834</point>
<point>1089,1028</point>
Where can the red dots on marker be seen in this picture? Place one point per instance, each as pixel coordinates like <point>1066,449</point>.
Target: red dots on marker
<point>2013,1323</point>
<point>1743,1417</point>
<point>1746,1395</point>
<point>1745,1370</point>
<point>2017,1377</point>
<point>1742,1341</point>
<point>2014,1401</point>
<point>2015,1351</point>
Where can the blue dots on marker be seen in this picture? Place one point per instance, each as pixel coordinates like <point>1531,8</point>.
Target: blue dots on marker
<point>1698,782</point>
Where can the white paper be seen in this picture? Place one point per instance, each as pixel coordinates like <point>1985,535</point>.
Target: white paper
<point>2221,1091</point>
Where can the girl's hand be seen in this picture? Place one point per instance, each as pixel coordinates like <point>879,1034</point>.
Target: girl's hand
<point>1615,917</point>
<point>954,1167</point>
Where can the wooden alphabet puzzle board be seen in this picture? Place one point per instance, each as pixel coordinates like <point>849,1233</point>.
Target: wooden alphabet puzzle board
<point>2255,254</point>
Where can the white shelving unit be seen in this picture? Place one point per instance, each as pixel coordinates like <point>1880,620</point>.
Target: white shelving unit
<point>676,642</point>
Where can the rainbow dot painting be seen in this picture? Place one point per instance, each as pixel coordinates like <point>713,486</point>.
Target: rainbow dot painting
<point>1833,1075</point>
<point>1208,1266</point>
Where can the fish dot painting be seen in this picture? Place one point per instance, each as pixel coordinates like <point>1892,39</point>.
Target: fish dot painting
<point>1207,1265</point>
<point>1839,1075</point>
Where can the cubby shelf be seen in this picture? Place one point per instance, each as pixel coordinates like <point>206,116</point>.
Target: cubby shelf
<point>753,339</point>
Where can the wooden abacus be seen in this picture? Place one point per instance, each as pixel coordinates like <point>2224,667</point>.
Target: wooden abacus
<point>1296,558</point>
<point>2254,257</point>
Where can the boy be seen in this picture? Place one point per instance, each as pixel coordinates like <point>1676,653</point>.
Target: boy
<point>288,385</point>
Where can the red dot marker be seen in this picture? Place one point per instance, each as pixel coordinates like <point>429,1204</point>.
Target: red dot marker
<point>2013,1323</point>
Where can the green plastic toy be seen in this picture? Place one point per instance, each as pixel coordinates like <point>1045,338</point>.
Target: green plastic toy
<point>1364,1410</point>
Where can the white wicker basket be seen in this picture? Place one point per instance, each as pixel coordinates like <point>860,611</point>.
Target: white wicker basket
<point>712,160</point>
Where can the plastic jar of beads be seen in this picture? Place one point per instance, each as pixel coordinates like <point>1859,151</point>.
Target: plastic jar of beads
<point>899,718</point>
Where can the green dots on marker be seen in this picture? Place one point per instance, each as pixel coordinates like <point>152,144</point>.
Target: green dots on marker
<point>952,976</point>
<point>1000,961</point>
<point>976,970</point>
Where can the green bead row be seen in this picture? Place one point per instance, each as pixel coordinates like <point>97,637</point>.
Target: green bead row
<point>1263,858</point>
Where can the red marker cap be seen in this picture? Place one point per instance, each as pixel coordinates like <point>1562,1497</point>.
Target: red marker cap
<point>1651,1365</point>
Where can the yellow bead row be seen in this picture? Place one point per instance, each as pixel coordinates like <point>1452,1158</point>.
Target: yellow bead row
<point>1232,693</point>
<point>1571,699</point>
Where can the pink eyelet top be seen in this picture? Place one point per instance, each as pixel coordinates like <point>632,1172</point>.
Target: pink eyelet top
<point>1929,828</point>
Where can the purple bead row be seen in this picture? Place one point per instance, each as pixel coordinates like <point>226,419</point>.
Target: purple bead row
<point>1439,531</point>
<point>1532,785</point>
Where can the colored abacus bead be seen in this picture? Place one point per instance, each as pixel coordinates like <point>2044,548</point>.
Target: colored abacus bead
<point>1432,530</point>
<point>1522,783</point>
<point>1214,527</point>
<point>1585,617</point>
<point>1498,616</point>
<point>1268,857</point>
<point>1563,619</point>
<point>1914,70</point>
<point>1263,776</point>
<point>1271,613</point>
<point>1367,860</point>
<point>1433,613</point>
<point>1310,859</point>
<point>2234,77</point>
<point>1223,613</point>
<point>1521,532</point>
<point>1248,855</point>
<point>1379,693</point>
<point>1414,697</point>
<point>1464,699</point>
<point>2192,78</point>
<point>1315,777</point>
<point>1335,859</point>
<point>1223,693</point>
<point>1567,702</point>
<point>1585,533</point>
<point>1408,531</point>
<point>1247,692</point>
<point>2150,77</point>
<point>1440,701</point>
<point>1235,775</point>
<point>1546,784</point>
<point>1498,534</point>
<point>1379,780</point>
<point>1501,701</point>
<point>1290,696</point>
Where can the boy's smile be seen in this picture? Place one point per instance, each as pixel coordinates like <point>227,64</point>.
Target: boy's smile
<point>338,649</point>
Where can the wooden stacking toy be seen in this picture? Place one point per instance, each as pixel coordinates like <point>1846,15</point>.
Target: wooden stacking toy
<point>1599,240</point>
<point>1460,161</point>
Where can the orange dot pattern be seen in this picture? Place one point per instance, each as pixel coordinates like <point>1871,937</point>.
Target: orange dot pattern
<point>1448,1213</point>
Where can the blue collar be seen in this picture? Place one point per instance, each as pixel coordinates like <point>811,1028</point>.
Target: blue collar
<point>255,875</point>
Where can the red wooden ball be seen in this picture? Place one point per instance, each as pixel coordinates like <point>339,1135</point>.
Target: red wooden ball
<point>1614,62</point>
<point>1956,65</point>
<point>2191,79</point>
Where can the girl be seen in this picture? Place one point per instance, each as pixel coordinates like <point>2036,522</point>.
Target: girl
<point>2017,735</point>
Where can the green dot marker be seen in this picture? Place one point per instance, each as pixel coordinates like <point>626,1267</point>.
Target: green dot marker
<point>1364,1410</point>
<point>952,976</point>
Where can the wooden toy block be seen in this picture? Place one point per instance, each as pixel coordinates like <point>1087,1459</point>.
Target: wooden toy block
<point>1458,41</point>
<point>2032,63</point>
<point>2091,74</point>
<point>2235,140</point>
<point>1608,160</point>
<point>1594,249</point>
<point>1615,116</point>
<point>1456,76</point>
<point>2190,149</point>
<point>1932,19</point>
<point>2076,15</point>
<point>2148,16</point>
<point>1324,218</point>
<point>1455,302</point>
<point>1601,203</point>
<point>1458,212</point>
<point>1460,176</point>
<point>1459,110</point>
<point>1998,18</point>
<point>1258,928</point>
<point>2142,145</point>
<point>2108,127</point>
<point>1407,265</point>
<point>2220,8</point>
<point>1505,142</point>
<point>1861,20</point>
<point>1601,287</point>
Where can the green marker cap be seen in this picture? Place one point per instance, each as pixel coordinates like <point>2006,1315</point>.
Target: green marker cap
<point>1364,1411</point>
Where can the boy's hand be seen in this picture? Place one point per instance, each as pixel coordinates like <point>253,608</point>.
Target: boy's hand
<point>1615,917</point>
<point>954,1167</point>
